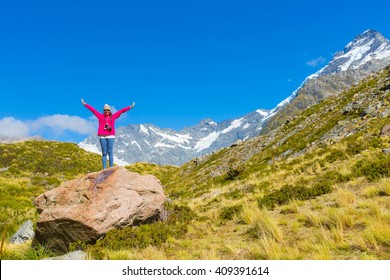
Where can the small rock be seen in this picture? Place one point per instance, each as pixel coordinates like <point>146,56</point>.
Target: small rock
<point>386,151</point>
<point>385,130</point>
<point>24,233</point>
<point>237,143</point>
<point>76,255</point>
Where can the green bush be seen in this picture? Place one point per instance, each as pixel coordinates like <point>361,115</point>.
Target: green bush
<point>228,213</point>
<point>335,155</point>
<point>356,146</point>
<point>233,173</point>
<point>288,193</point>
<point>373,169</point>
<point>332,177</point>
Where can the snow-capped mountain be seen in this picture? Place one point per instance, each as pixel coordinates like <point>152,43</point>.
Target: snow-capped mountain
<point>366,48</point>
<point>367,53</point>
<point>149,143</point>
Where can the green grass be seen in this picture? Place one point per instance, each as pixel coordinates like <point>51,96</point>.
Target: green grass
<point>31,168</point>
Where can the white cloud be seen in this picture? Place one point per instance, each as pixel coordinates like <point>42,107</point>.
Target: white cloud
<point>54,124</point>
<point>60,123</point>
<point>13,128</point>
<point>317,61</point>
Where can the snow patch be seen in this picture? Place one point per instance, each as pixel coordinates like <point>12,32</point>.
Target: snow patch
<point>262,112</point>
<point>135,143</point>
<point>206,142</point>
<point>164,145</point>
<point>234,124</point>
<point>354,55</point>
<point>120,162</point>
<point>90,148</point>
<point>178,138</point>
<point>143,129</point>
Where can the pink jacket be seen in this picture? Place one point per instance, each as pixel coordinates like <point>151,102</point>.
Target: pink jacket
<point>103,120</point>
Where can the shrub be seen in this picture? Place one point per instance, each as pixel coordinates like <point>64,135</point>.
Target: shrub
<point>335,155</point>
<point>373,169</point>
<point>356,146</point>
<point>233,174</point>
<point>333,177</point>
<point>228,213</point>
<point>288,193</point>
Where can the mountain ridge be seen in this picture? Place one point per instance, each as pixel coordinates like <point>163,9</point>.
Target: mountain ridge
<point>366,54</point>
<point>167,146</point>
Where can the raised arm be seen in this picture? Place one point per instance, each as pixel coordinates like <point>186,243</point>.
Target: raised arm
<point>93,110</point>
<point>119,113</point>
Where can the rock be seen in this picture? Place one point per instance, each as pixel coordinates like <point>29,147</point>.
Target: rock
<point>84,209</point>
<point>237,143</point>
<point>385,113</point>
<point>385,130</point>
<point>24,233</point>
<point>386,151</point>
<point>76,255</point>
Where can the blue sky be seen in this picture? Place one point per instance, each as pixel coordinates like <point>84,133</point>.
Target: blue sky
<point>180,61</point>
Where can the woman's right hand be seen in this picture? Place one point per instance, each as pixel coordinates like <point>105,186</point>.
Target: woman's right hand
<point>82,101</point>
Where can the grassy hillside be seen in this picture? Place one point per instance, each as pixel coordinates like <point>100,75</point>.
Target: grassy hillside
<point>317,187</point>
<point>28,169</point>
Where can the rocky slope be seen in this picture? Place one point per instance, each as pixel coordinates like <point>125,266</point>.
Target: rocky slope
<point>365,55</point>
<point>348,115</point>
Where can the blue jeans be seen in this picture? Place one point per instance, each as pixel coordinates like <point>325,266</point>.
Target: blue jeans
<point>107,148</point>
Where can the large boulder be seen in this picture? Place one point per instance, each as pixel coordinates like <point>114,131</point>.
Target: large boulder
<point>84,209</point>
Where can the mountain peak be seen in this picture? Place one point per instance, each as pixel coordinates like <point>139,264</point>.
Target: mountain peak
<point>371,33</point>
<point>366,54</point>
<point>369,39</point>
<point>367,46</point>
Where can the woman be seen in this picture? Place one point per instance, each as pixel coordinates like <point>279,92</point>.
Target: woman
<point>106,130</point>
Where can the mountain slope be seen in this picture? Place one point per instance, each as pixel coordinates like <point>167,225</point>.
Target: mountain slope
<point>366,54</point>
<point>316,188</point>
<point>30,168</point>
<point>362,110</point>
